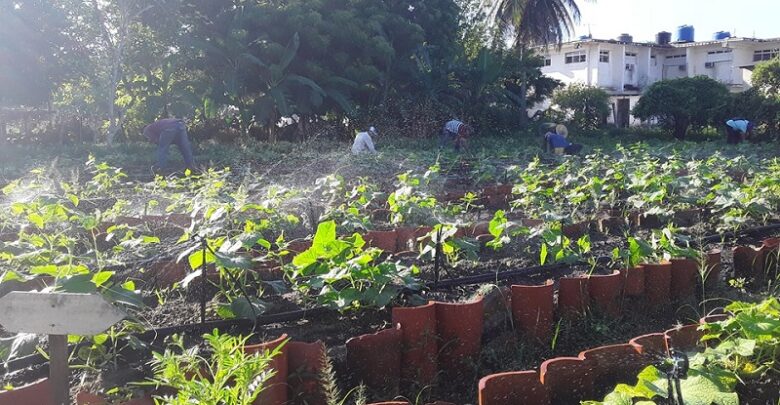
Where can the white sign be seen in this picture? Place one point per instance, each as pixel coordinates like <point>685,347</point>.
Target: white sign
<point>57,313</point>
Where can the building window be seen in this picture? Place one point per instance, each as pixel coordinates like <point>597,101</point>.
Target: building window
<point>576,57</point>
<point>719,52</point>
<point>630,53</point>
<point>765,54</point>
<point>675,56</point>
<point>547,61</point>
<point>604,56</point>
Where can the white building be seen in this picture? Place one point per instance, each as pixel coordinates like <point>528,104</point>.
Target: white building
<point>625,68</point>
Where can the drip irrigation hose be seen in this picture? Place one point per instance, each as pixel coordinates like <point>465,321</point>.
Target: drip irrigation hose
<point>735,234</point>
<point>155,334</point>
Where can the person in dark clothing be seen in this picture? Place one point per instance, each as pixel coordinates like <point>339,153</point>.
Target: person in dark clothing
<point>737,130</point>
<point>169,131</point>
<point>454,132</point>
<point>546,130</point>
<point>559,144</point>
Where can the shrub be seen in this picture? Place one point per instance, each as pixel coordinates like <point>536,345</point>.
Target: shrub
<point>766,78</point>
<point>755,106</point>
<point>680,103</point>
<point>588,106</point>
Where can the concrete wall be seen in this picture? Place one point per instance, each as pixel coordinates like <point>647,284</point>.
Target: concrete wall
<point>572,72</point>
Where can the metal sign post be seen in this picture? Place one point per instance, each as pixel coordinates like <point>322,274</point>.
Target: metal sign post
<point>58,315</point>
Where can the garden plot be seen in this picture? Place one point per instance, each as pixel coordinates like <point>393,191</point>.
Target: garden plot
<point>326,260</point>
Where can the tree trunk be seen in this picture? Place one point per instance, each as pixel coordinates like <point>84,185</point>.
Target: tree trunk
<point>113,126</point>
<point>117,43</point>
<point>680,128</point>
<point>523,92</point>
<point>523,103</point>
<point>302,130</point>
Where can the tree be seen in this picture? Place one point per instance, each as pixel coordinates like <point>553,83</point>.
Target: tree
<point>588,106</point>
<point>535,22</point>
<point>680,103</point>
<point>358,53</point>
<point>34,50</point>
<point>766,78</point>
<point>111,36</point>
<point>116,20</point>
<point>755,106</point>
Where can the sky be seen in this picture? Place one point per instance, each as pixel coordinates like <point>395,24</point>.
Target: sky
<point>606,19</point>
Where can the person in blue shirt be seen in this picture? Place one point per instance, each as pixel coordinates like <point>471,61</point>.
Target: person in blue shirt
<point>454,132</point>
<point>559,144</point>
<point>737,130</point>
<point>546,129</point>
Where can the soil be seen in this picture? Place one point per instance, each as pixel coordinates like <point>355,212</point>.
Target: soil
<point>502,351</point>
<point>765,391</point>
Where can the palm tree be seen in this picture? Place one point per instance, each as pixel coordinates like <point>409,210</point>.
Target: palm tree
<point>535,22</point>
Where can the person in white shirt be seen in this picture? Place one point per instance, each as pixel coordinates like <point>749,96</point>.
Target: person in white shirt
<point>364,143</point>
<point>738,130</point>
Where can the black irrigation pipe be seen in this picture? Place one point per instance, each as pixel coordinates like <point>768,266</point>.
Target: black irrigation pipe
<point>155,334</point>
<point>733,235</point>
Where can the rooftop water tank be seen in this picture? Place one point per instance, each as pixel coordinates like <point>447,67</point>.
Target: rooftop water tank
<point>584,37</point>
<point>685,33</point>
<point>721,35</point>
<point>663,38</point>
<point>625,38</point>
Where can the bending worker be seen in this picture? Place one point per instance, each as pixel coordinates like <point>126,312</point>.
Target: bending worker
<point>363,142</point>
<point>454,132</point>
<point>737,130</point>
<point>559,144</point>
<point>169,131</point>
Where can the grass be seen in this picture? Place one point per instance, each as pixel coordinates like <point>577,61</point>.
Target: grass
<point>323,155</point>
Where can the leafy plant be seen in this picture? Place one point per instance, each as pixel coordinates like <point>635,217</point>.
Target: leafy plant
<point>701,387</point>
<point>450,245</point>
<point>344,276</point>
<point>666,245</point>
<point>350,208</point>
<point>503,230</point>
<point>409,204</point>
<point>635,254</point>
<point>236,277</point>
<point>742,348</point>
<point>559,248</point>
<point>749,340</point>
<point>228,375</point>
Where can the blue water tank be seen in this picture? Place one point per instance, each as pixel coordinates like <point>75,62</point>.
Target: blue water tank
<point>721,35</point>
<point>685,33</point>
<point>584,37</point>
